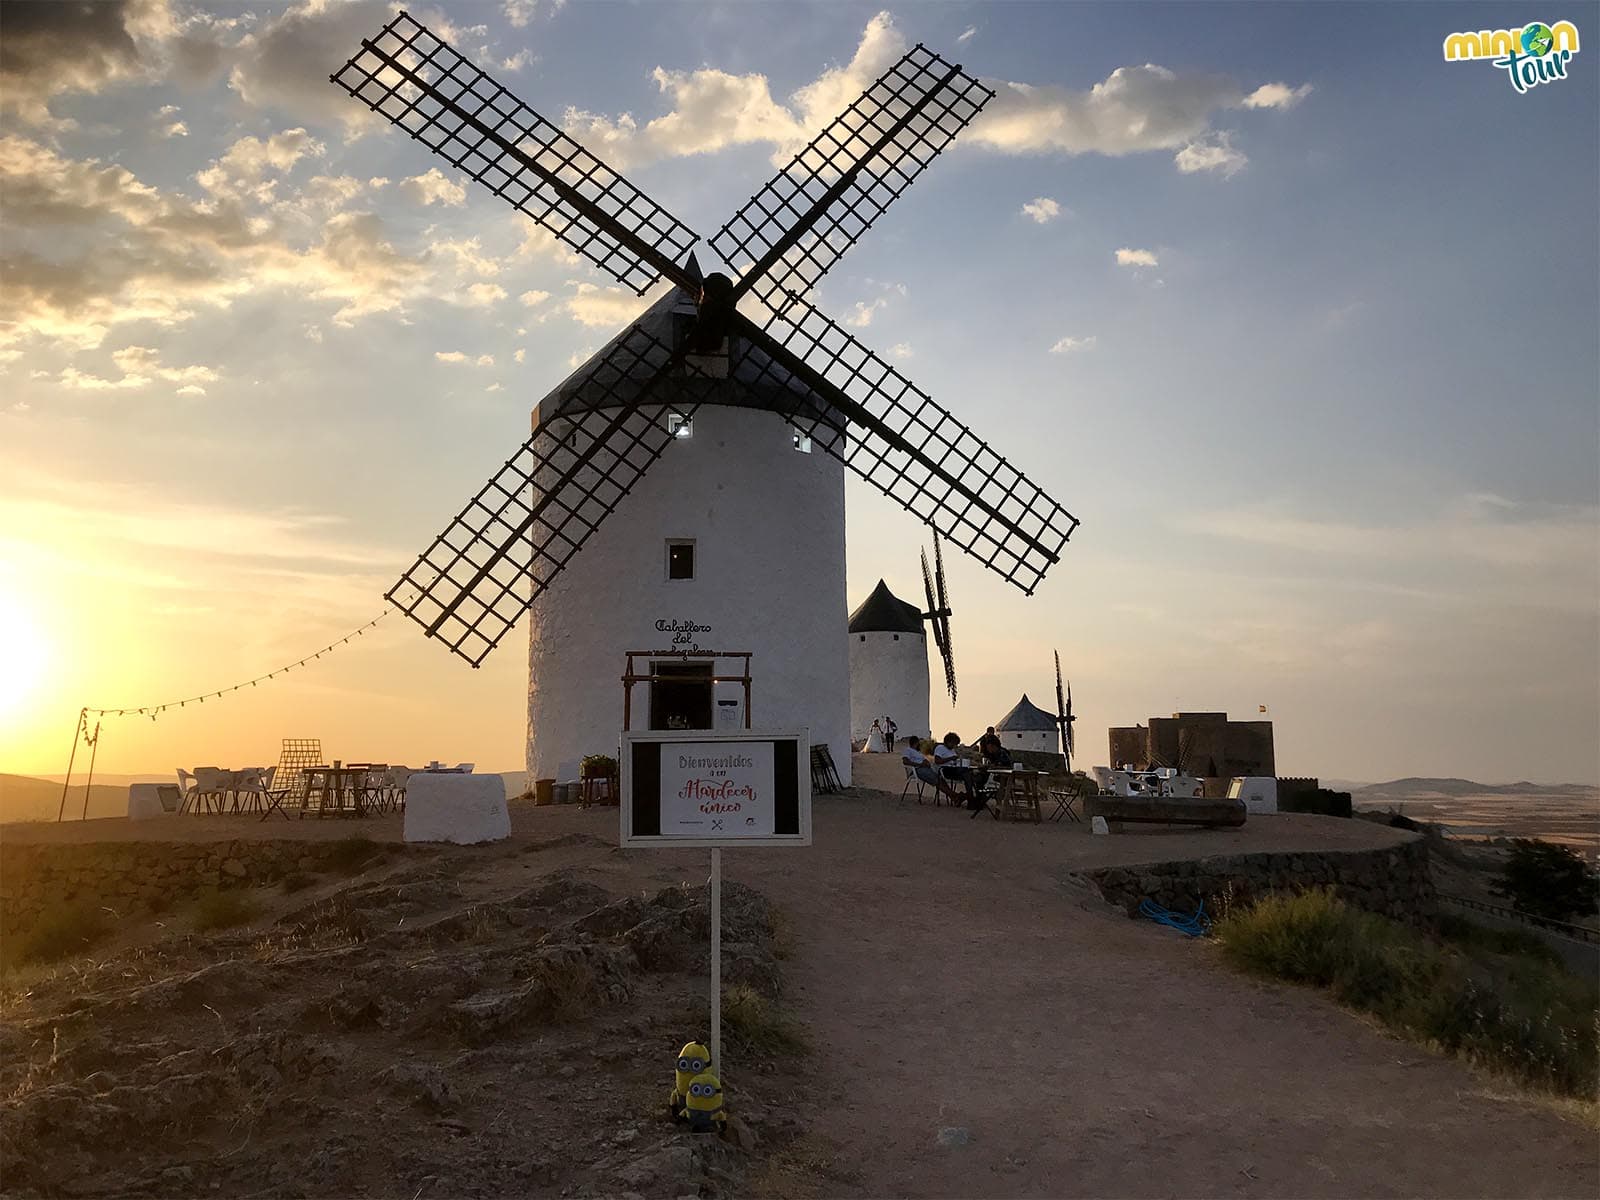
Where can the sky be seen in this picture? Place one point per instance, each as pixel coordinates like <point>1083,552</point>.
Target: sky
<point>1298,318</point>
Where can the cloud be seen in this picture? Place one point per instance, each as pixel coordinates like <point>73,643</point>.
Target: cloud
<point>1135,258</point>
<point>901,350</point>
<point>142,254</point>
<point>286,63</point>
<point>533,297</point>
<point>52,49</point>
<point>140,367</point>
<point>482,295</point>
<point>1133,110</point>
<point>607,307</point>
<point>963,38</point>
<point>244,167</point>
<point>432,187</point>
<point>1042,209</point>
<point>1277,95</point>
<point>457,357</point>
<point>1215,153</point>
<point>516,61</point>
<point>712,109</point>
<point>521,355</point>
<point>1074,345</point>
<point>860,316</point>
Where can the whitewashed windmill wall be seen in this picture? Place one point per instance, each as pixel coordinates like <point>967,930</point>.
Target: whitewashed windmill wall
<point>767,523</point>
<point>888,665</point>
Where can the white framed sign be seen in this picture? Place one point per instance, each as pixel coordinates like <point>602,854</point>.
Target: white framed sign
<point>705,788</point>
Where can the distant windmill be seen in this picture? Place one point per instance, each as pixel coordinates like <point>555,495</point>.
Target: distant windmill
<point>938,614</point>
<point>1064,717</point>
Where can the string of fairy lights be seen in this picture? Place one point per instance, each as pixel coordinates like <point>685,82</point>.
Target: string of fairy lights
<point>91,738</point>
<point>154,710</point>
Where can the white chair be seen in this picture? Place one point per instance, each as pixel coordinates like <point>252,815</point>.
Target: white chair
<point>186,789</point>
<point>250,788</point>
<point>922,785</point>
<point>211,785</point>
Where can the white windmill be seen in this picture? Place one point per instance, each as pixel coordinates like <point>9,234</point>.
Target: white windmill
<point>735,541</point>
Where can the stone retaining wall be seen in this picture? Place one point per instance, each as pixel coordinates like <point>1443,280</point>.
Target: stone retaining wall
<point>143,876</point>
<point>1393,881</point>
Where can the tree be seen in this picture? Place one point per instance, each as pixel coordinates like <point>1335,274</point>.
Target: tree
<point>1546,880</point>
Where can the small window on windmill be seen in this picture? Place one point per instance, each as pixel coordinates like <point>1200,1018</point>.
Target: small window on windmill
<point>679,426</point>
<point>680,559</point>
<point>802,440</point>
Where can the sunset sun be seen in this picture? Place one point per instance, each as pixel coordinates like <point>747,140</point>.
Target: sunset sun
<point>23,654</point>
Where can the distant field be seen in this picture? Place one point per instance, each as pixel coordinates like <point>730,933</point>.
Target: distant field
<point>1572,819</point>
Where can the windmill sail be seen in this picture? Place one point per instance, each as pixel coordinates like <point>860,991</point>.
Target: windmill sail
<point>410,76</point>
<point>797,226</point>
<point>913,450</point>
<point>526,523</point>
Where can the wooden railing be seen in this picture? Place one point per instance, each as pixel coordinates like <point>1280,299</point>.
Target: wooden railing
<point>1580,933</point>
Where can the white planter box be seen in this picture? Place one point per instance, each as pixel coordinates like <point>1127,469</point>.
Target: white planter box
<point>464,809</point>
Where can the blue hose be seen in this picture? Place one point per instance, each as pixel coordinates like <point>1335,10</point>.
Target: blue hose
<point>1196,924</point>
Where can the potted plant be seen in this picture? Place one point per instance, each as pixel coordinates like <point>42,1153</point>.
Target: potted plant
<point>597,766</point>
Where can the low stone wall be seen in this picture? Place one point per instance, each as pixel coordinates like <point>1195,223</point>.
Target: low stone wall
<point>1393,881</point>
<point>143,876</point>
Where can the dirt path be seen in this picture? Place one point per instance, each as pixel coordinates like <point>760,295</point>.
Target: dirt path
<point>1086,1055</point>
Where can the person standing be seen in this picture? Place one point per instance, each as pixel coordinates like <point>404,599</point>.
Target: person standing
<point>889,728</point>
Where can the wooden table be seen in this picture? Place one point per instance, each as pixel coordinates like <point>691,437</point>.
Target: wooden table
<point>331,784</point>
<point>1008,798</point>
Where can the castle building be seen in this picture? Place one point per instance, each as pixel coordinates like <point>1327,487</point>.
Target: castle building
<point>1204,744</point>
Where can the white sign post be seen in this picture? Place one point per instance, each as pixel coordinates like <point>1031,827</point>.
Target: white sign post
<point>699,788</point>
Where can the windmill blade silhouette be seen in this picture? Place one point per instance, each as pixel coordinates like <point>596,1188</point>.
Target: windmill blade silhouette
<point>413,78</point>
<point>912,450</point>
<point>534,514</point>
<point>797,226</point>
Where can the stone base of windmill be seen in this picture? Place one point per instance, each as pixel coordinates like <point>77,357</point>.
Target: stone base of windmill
<point>463,809</point>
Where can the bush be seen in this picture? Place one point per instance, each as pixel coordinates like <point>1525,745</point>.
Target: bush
<point>224,910</point>
<point>754,1024</point>
<point>1479,995</point>
<point>295,881</point>
<point>348,855</point>
<point>1546,880</point>
<point>59,933</point>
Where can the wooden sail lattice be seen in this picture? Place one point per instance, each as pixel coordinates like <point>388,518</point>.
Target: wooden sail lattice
<point>610,426</point>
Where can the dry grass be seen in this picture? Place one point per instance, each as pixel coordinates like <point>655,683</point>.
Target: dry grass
<point>754,1023</point>
<point>61,933</point>
<point>1481,996</point>
<point>224,910</point>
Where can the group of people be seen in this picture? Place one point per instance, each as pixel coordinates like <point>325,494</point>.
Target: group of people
<point>948,769</point>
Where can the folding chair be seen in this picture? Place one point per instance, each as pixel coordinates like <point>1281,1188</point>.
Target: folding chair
<point>824,775</point>
<point>1067,796</point>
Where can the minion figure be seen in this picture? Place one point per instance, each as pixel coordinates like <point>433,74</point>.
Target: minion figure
<point>703,1105</point>
<point>692,1059</point>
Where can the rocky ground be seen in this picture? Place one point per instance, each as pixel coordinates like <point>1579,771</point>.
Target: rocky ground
<point>427,1027</point>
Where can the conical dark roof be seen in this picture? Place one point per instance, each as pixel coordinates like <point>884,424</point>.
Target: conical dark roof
<point>1026,717</point>
<point>882,612</point>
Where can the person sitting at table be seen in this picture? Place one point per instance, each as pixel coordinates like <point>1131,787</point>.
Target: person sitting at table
<point>947,757</point>
<point>993,752</point>
<point>922,768</point>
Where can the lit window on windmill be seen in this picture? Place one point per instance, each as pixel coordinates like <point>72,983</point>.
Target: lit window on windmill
<point>802,441</point>
<point>680,560</point>
<point>679,426</point>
